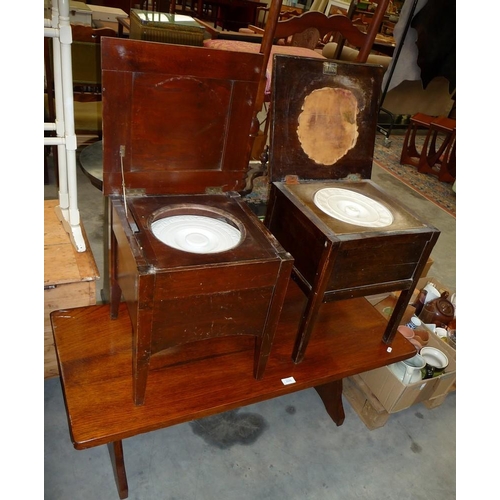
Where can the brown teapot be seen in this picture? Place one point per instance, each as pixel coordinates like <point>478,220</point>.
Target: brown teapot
<point>439,311</point>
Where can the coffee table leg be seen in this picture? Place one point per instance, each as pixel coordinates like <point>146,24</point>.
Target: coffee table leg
<point>331,395</point>
<point>116,453</point>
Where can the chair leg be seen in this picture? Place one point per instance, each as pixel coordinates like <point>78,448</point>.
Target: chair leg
<point>314,301</point>
<point>435,160</point>
<point>447,172</point>
<point>142,348</point>
<point>264,343</point>
<point>409,152</point>
<point>431,157</point>
<point>140,371</point>
<point>423,164</point>
<point>306,325</point>
<point>115,293</point>
<point>116,454</point>
<point>434,155</point>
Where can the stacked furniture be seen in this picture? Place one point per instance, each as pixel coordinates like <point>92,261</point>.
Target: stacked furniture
<point>438,153</point>
<point>192,329</point>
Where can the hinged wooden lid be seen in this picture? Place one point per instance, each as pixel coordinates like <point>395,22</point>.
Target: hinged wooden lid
<point>176,118</point>
<point>324,118</point>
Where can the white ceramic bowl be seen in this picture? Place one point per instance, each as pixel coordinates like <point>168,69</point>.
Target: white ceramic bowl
<point>196,234</point>
<point>434,357</point>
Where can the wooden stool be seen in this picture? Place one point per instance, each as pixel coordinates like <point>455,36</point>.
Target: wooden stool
<point>409,153</point>
<point>436,160</point>
<point>439,160</point>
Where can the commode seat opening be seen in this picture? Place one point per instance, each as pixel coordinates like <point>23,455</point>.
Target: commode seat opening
<point>197,229</point>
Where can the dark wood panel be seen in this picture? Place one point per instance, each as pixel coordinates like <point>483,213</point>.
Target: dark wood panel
<point>125,5</point>
<point>233,14</point>
<point>176,119</point>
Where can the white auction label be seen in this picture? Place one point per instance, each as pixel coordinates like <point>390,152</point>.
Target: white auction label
<point>288,380</point>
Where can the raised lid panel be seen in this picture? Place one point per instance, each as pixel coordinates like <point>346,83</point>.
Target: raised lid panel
<point>324,118</point>
<point>176,119</point>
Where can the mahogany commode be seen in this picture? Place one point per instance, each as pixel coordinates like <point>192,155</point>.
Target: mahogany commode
<point>176,144</point>
<point>347,236</point>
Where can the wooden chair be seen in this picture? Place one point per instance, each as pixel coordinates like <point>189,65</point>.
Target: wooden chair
<point>309,28</point>
<point>294,28</point>
<point>438,153</point>
<point>86,61</point>
<point>86,68</point>
<point>86,65</point>
<point>262,13</point>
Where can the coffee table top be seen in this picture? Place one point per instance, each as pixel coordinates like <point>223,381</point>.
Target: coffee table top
<point>206,377</point>
<point>91,163</point>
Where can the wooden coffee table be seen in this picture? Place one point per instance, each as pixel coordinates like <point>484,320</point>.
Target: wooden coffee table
<point>207,377</point>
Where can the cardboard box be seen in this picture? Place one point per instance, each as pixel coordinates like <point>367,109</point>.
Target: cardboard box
<point>69,278</point>
<point>376,299</point>
<point>80,13</point>
<point>385,303</point>
<point>364,403</point>
<point>109,14</point>
<point>427,267</point>
<point>424,280</point>
<point>395,396</point>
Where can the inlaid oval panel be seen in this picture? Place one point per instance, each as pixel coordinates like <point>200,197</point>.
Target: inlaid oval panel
<point>327,127</point>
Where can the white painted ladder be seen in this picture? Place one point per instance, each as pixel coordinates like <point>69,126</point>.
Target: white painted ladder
<point>59,29</point>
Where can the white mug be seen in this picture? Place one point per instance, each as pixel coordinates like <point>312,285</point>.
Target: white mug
<point>442,333</point>
<point>432,292</point>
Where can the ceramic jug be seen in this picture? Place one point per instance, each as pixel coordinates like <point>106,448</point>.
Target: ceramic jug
<point>413,369</point>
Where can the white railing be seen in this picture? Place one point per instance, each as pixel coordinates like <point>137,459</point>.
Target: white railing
<point>59,29</point>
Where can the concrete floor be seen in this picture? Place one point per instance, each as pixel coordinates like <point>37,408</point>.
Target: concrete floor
<point>286,448</point>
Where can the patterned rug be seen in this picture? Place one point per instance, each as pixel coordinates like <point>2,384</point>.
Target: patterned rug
<point>387,158</point>
<point>428,186</point>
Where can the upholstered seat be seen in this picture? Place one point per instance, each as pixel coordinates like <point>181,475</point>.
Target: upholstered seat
<point>350,55</point>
